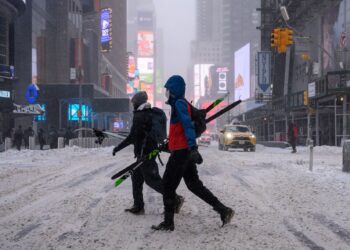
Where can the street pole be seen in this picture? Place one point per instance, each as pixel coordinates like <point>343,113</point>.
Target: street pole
<point>80,103</point>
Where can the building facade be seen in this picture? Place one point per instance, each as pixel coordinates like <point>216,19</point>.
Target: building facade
<point>9,12</point>
<point>65,52</point>
<point>311,81</point>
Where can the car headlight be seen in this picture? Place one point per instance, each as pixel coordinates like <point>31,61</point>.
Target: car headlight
<point>229,136</point>
<point>252,136</point>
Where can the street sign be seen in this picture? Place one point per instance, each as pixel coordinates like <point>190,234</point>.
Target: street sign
<point>31,93</point>
<point>264,70</point>
<point>33,109</point>
<point>311,89</point>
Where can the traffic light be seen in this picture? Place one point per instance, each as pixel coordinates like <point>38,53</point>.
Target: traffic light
<point>286,39</point>
<point>275,38</point>
<point>306,98</point>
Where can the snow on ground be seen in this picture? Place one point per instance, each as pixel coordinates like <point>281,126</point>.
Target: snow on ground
<point>64,199</point>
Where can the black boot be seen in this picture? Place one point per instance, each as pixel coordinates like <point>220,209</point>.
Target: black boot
<point>226,215</point>
<point>179,202</point>
<point>135,210</point>
<point>167,224</point>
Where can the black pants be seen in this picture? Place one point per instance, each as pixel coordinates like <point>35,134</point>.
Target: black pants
<point>179,166</point>
<point>293,142</point>
<point>148,173</point>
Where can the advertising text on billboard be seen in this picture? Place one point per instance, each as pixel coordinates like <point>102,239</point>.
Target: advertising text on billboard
<point>106,29</point>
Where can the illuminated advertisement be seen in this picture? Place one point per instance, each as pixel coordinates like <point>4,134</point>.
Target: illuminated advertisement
<point>149,88</point>
<point>73,114</point>
<point>335,32</point>
<point>106,29</point>
<point>131,66</point>
<point>242,73</point>
<point>40,118</point>
<point>145,43</point>
<point>133,84</point>
<point>201,79</point>
<point>146,68</point>
<point>217,83</point>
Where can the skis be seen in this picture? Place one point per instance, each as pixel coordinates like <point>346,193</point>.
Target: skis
<point>126,172</point>
<point>224,110</point>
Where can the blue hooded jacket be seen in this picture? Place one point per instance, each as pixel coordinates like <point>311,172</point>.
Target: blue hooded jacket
<point>181,127</point>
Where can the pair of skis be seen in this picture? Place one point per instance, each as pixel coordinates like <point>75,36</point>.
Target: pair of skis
<point>128,171</point>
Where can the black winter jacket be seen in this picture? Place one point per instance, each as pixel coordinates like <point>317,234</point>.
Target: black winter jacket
<point>141,127</point>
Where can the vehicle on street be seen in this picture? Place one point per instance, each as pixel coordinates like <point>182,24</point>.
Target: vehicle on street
<point>204,140</point>
<point>237,136</point>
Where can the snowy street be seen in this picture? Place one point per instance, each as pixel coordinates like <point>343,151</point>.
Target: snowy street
<point>64,199</point>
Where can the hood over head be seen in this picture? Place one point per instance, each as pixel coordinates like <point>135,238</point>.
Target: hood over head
<point>177,86</point>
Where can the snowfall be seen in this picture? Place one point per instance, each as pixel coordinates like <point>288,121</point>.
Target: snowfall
<point>65,199</point>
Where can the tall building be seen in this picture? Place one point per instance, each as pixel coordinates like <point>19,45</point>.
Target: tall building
<point>66,60</point>
<point>10,10</point>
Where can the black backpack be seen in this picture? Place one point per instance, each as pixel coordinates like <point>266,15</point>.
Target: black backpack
<point>198,119</point>
<point>158,131</point>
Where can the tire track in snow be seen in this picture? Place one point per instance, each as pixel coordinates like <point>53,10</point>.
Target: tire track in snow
<point>334,227</point>
<point>302,238</point>
<point>88,176</point>
<point>25,231</point>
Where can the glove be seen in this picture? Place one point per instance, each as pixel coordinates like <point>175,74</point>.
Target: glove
<point>195,156</point>
<point>115,150</point>
<point>164,147</point>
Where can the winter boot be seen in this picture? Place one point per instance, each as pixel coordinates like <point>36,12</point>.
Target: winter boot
<point>226,215</point>
<point>179,202</point>
<point>135,210</point>
<point>167,224</point>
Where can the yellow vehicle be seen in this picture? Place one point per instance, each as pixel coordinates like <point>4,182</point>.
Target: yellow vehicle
<point>237,136</point>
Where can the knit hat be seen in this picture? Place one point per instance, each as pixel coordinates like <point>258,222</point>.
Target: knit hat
<point>139,98</point>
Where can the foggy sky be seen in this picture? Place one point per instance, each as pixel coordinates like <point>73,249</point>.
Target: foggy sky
<point>177,20</point>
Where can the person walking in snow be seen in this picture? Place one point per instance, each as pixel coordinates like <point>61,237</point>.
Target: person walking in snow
<point>183,158</point>
<point>293,136</point>
<point>28,133</point>
<point>143,145</point>
<point>18,137</point>
<point>41,138</point>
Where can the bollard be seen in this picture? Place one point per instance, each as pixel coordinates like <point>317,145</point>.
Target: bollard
<point>346,156</point>
<point>60,142</point>
<point>311,161</point>
<point>8,143</point>
<point>31,142</point>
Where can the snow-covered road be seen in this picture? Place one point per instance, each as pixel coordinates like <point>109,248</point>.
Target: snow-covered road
<point>59,199</point>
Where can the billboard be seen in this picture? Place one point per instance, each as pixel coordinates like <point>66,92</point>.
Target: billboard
<point>131,66</point>
<point>149,88</point>
<point>145,19</point>
<point>106,29</point>
<point>146,68</point>
<point>201,80</point>
<point>242,73</point>
<point>145,44</point>
<point>217,83</point>
<point>73,112</point>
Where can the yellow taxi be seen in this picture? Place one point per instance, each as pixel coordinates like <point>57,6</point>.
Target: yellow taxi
<point>237,136</point>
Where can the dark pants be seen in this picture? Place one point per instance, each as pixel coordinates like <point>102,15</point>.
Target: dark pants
<point>148,173</point>
<point>293,142</point>
<point>179,166</point>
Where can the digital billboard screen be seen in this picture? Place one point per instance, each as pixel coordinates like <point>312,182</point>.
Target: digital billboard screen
<point>242,73</point>
<point>145,66</point>
<point>106,29</point>
<point>201,80</point>
<point>42,117</point>
<point>145,43</point>
<point>73,114</point>
<point>149,88</point>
